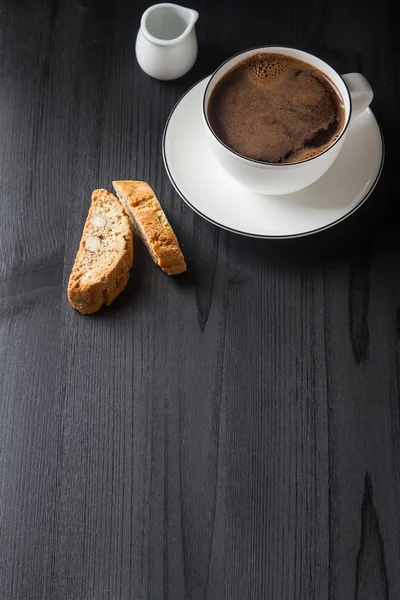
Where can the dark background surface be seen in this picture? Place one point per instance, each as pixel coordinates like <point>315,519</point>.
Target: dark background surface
<point>232,433</point>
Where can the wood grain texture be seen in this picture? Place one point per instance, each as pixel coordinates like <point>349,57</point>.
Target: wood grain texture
<point>231,433</point>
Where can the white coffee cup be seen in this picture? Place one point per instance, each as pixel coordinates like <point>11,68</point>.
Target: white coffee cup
<point>284,178</point>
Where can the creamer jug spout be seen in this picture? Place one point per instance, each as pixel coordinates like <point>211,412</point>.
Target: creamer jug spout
<point>191,15</point>
<point>179,21</point>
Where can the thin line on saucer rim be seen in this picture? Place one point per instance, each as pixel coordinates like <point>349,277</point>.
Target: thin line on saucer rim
<point>262,235</point>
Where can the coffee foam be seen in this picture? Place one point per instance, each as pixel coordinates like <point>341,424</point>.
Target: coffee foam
<point>267,69</point>
<point>308,152</point>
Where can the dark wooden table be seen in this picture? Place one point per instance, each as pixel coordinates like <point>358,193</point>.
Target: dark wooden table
<point>233,433</point>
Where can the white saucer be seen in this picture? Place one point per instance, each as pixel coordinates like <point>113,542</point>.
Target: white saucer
<point>212,193</point>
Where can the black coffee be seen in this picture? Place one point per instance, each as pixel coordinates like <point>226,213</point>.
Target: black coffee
<point>277,109</point>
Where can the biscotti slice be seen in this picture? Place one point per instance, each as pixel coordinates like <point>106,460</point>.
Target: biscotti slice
<point>101,269</point>
<point>151,224</point>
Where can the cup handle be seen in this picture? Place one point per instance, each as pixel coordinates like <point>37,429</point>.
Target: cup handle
<point>360,91</point>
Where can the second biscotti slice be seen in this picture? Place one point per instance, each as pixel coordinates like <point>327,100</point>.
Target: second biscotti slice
<point>151,224</point>
<point>101,268</point>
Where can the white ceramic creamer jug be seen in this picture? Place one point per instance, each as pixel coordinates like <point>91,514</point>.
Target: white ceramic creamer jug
<point>166,44</point>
